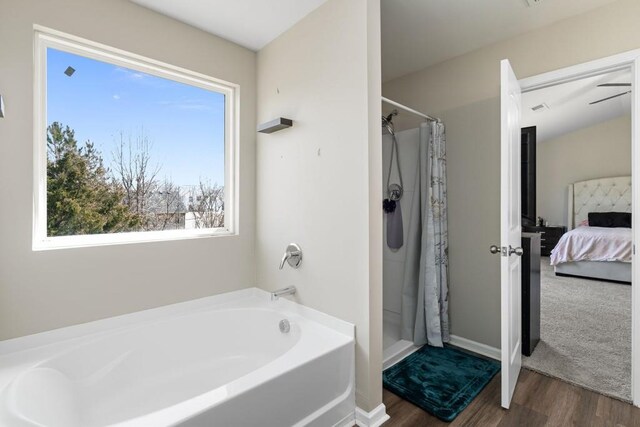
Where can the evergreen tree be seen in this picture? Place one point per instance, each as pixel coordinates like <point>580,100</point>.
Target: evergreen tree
<point>81,199</point>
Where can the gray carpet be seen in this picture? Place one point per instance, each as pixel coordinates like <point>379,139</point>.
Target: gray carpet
<point>585,333</point>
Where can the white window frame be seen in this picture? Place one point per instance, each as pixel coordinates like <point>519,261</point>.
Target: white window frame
<point>45,38</point>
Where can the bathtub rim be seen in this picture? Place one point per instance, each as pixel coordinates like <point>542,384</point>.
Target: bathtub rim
<point>95,328</point>
<point>52,342</point>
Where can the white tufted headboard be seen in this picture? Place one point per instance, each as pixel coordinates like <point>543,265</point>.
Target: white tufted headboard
<point>598,195</point>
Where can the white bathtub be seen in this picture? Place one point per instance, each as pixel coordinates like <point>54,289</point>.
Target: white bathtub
<point>217,361</point>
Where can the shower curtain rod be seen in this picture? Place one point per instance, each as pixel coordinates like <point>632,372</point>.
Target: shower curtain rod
<point>410,110</point>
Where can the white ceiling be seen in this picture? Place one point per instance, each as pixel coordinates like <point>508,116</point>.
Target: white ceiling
<point>419,33</point>
<point>249,23</point>
<point>569,108</point>
<point>415,33</point>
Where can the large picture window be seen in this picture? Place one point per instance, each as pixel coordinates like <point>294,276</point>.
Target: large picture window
<point>128,149</point>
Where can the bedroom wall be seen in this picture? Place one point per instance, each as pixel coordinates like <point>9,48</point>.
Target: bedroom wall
<point>50,289</point>
<point>599,151</point>
<point>319,184</point>
<point>464,91</point>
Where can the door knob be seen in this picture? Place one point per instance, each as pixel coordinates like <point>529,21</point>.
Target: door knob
<point>518,251</point>
<point>494,249</point>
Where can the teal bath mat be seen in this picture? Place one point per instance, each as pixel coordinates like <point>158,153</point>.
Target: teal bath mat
<point>442,381</point>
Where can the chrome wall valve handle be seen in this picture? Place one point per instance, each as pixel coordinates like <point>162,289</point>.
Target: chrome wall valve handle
<point>293,256</point>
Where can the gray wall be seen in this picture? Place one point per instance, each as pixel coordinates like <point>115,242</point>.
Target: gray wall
<point>464,92</point>
<point>474,224</point>
<point>599,151</point>
<point>50,289</point>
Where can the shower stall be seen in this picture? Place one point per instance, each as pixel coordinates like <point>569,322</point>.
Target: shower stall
<point>415,244</point>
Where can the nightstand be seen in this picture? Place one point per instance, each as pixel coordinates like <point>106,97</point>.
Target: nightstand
<point>549,236</point>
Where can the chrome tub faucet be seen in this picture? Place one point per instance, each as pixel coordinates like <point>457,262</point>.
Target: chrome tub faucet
<point>289,290</point>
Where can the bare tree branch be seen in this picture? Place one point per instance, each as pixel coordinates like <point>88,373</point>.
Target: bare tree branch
<point>134,171</point>
<point>206,205</point>
<point>166,209</point>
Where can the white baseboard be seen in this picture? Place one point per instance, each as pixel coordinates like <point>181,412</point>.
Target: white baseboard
<point>348,421</point>
<point>374,418</point>
<point>397,352</point>
<point>476,347</point>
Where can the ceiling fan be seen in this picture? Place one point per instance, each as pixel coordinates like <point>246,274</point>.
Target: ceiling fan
<point>614,96</point>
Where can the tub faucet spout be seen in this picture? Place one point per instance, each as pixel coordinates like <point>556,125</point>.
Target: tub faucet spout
<point>290,290</point>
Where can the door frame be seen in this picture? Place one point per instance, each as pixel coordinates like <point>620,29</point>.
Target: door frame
<point>627,60</point>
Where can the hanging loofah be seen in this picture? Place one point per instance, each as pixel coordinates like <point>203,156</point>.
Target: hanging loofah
<point>389,205</point>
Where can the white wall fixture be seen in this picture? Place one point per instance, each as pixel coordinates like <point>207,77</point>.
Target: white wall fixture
<point>1,107</point>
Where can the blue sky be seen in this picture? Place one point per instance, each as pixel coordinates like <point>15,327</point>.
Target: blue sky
<point>100,100</point>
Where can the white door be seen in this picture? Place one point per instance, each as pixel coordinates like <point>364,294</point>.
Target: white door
<point>510,231</point>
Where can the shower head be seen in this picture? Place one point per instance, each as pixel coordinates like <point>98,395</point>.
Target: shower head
<point>387,123</point>
<point>387,126</point>
<point>390,116</point>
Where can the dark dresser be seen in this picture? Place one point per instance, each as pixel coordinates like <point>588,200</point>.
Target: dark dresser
<point>549,236</point>
<point>530,292</point>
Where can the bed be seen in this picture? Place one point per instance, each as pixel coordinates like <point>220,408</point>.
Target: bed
<point>595,252</point>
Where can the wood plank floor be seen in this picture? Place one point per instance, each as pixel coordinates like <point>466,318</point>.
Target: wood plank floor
<point>538,401</point>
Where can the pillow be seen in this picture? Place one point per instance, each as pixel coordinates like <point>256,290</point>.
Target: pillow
<point>610,219</point>
<point>584,223</point>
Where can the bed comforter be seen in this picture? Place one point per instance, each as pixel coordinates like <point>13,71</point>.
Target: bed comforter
<point>593,244</point>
